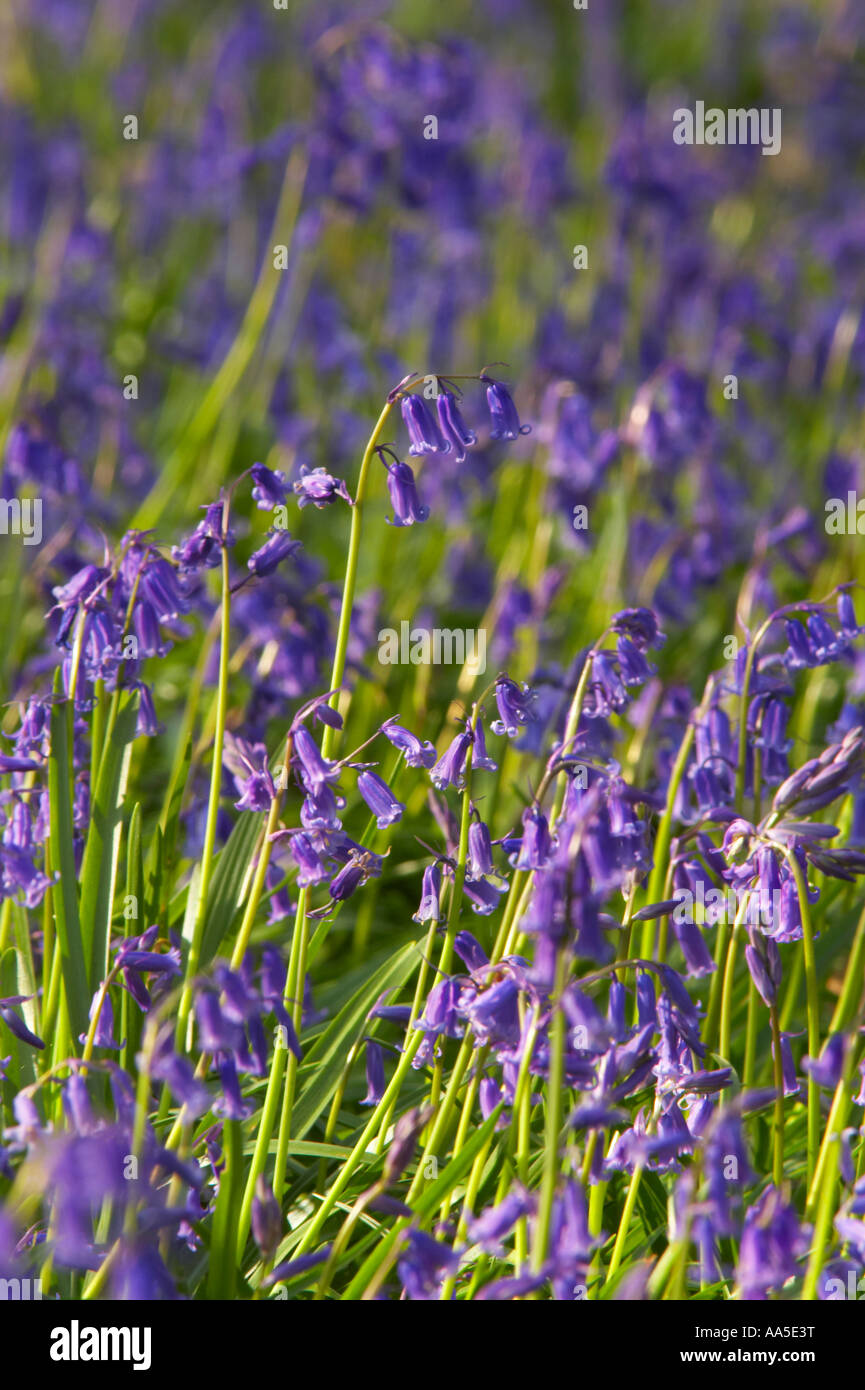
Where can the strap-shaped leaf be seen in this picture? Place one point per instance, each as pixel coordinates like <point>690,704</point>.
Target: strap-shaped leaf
<point>65,894</point>
<point>102,850</point>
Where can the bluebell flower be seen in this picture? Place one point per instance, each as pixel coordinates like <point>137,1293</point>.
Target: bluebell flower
<point>315,770</point>
<point>379,798</point>
<point>203,548</point>
<point>490,1228</point>
<point>470,952</point>
<point>104,1034</point>
<point>423,429</point>
<point>266,1219</point>
<point>480,758</point>
<point>423,1266</point>
<point>453,427</point>
<point>504,420</point>
<point>270,487</point>
<point>429,909</point>
<point>318,487</point>
<point>361,865</point>
<point>850,629</point>
<point>249,766</point>
<point>278,547</point>
<point>852,1233</point>
<point>828,1068</point>
<point>17,1027</point>
<point>319,811</point>
<point>772,1241</point>
<point>514,704</point>
<point>416,752</point>
<point>536,844</point>
<point>374,1073</point>
<point>483,894</point>
<point>407,506</point>
<point>480,850</point>
<point>448,771</point>
<point>401,1149</point>
<point>311,868</point>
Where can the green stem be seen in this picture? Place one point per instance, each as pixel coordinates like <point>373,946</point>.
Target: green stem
<point>624,1223</point>
<point>813,1005</point>
<point>778,1120</point>
<point>207,853</point>
<point>348,588</point>
<point>553,1119</point>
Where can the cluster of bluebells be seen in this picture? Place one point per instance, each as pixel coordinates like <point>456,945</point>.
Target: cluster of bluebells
<point>750,805</point>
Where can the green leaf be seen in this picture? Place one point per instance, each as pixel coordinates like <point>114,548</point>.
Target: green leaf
<point>428,1202</point>
<point>163,847</point>
<point>227,886</point>
<point>102,850</point>
<point>322,1066</point>
<point>21,1069</point>
<point>65,895</point>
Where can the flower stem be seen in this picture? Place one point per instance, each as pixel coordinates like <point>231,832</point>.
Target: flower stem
<point>207,853</point>
<point>350,581</point>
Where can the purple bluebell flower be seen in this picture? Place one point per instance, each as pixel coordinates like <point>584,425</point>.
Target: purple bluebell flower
<point>361,865</point>
<point>425,1263</point>
<point>278,547</point>
<point>315,770</point>
<point>203,548</point>
<point>640,625</point>
<point>104,1034</point>
<point>448,771</point>
<point>480,850</point>
<point>850,629</point>
<point>771,1243</point>
<point>514,706</point>
<point>827,1069</point>
<point>608,694</point>
<point>504,419</point>
<point>483,894</point>
<point>536,843</point>
<point>416,752</point>
<point>266,1219</point>
<point>758,967</point>
<point>407,506</point>
<point>17,1027</point>
<point>319,811</point>
<point>430,909</point>
<point>453,427</point>
<point>481,761</point>
<point>470,951</point>
<point>401,1149</point>
<point>493,1013</point>
<point>231,1104</point>
<point>423,429</point>
<point>319,487</point>
<point>290,1269</point>
<point>269,487</point>
<point>311,868</point>
<point>374,1073</point>
<point>440,1015</point>
<point>852,1233</point>
<point>249,766</point>
<point>379,798</point>
<point>489,1229</point>
<point>9,763</point>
